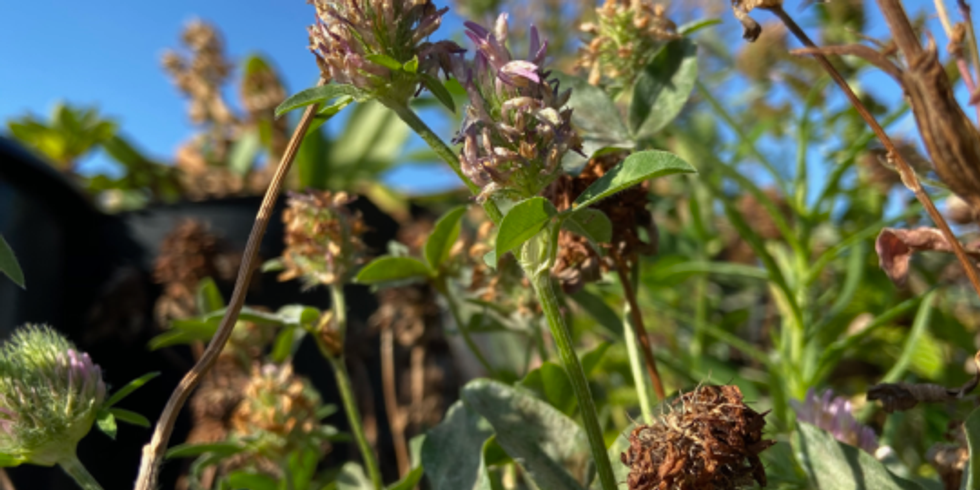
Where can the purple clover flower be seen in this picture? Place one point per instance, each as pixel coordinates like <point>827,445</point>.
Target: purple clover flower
<point>516,129</point>
<point>356,41</point>
<point>834,414</point>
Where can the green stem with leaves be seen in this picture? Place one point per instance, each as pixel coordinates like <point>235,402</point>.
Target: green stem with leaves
<point>77,471</point>
<point>566,351</point>
<point>339,308</point>
<point>541,280</point>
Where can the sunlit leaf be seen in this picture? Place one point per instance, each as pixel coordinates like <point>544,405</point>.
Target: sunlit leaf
<point>636,168</point>
<point>129,388</point>
<point>317,95</point>
<point>833,464</point>
<point>522,222</point>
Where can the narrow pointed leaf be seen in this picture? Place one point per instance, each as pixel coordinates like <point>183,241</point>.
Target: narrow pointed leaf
<point>130,417</point>
<point>106,423</point>
<point>439,91</point>
<point>385,61</point>
<point>209,299</point>
<point>9,265</point>
<point>522,222</point>
<point>443,237</point>
<point>317,95</point>
<point>191,450</point>
<point>636,168</point>
<point>129,388</point>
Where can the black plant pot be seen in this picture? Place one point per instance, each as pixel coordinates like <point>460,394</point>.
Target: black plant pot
<point>90,275</point>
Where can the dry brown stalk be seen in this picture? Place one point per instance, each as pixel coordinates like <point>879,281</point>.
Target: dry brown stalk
<point>396,417</point>
<point>949,135</point>
<point>154,451</point>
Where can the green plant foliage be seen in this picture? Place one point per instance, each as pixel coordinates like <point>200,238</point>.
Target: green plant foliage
<point>9,265</point>
<point>663,88</point>
<point>522,222</point>
<point>832,464</point>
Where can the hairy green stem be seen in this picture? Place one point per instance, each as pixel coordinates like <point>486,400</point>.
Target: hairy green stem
<point>444,151</point>
<point>77,471</point>
<point>443,287</point>
<point>541,282</point>
<point>339,308</point>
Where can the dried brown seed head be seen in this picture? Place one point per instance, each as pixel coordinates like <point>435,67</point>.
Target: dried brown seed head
<point>705,439</point>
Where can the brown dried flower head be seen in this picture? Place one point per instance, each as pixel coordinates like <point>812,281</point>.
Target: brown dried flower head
<point>323,238</point>
<point>278,411</point>
<point>624,39</point>
<point>188,254</point>
<point>705,439</point>
<point>201,75</point>
<point>577,262</point>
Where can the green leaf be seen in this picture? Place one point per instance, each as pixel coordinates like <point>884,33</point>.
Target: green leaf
<point>599,310</point>
<point>550,383</point>
<point>385,61</point>
<point>224,449</point>
<point>409,482</point>
<point>972,428</point>
<point>452,453</point>
<point>106,423</point>
<point>242,480</point>
<point>696,25</point>
<point>439,91</point>
<point>443,237</point>
<point>298,315</point>
<point>208,296</point>
<point>595,116</point>
<point>130,417</point>
<point>546,442</point>
<point>9,265</point>
<point>490,259</point>
<point>412,65</point>
<point>286,343</point>
<point>834,465</point>
<point>273,265</point>
<point>645,165</point>
<point>241,158</point>
<point>129,388</point>
<point>592,224</point>
<point>919,329</point>
<point>352,477</point>
<point>663,87</point>
<point>393,269</point>
<point>522,222</point>
<point>317,95</point>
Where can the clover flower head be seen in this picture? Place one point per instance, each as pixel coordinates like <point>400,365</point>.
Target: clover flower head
<point>834,414</point>
<point>374,44</point>
<point>323,238</point>
<point>278,412</point>
<point>516,128</point>
<point>49,395</point>
<point>624,39</point>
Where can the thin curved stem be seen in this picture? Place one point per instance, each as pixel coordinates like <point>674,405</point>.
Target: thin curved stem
<point>339,308</point>
<point>566,351</point>
<point>636,321</point>
<point>444,151</point>
<point>76,470</point>
<point>154,451</point>
<point>908,175</point>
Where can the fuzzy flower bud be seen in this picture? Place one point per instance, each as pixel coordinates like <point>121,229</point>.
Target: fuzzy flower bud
<point>834,414</point>
<point>624,39</point>
<point>49,395</point>
<point>323,238</point>
<point>516,129</point>
<point>366,43</point>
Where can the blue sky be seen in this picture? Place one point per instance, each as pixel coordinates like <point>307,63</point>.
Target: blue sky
<point>107,53</point>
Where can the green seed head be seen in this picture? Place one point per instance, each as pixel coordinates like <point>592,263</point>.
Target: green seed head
<point>49,395</point>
